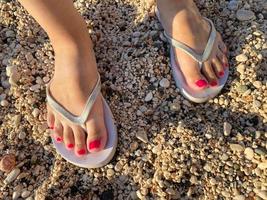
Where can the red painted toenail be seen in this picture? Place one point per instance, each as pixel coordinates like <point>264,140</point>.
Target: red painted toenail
<point>51,127</point>
<point>225,65</point>
<point>94,144</point>
<point>81,152</point>
<point>201,83</point>
<point>213,83</point>
<point>59,139</point>
<point>70,146</point>
<point>221,73</point>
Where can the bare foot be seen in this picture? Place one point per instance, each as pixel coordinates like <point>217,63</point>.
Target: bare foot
<point>183,22</point>
<point>74,79</point>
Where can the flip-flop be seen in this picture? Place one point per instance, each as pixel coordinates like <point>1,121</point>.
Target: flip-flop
<point>189,93</point>
<point>90,160</point>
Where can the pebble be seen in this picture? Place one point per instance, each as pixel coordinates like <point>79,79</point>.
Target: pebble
<point>7,162</point>
<point>242,89</point>
<point>249,153</point>
<point>262,165</point>
<point>207,167</point>
<point>227,127</point>
<point>233,5</point>
<point>257,84</point>
<point>165,83</point>
<point>149,97</point>
<point>236,147</point>
<point>16,195</point>
<point>262,194</point>
<point>22,135</point>
<point>35,112</point>
<point>141,135</point>
<point>239,197</point>
<point>118,167</point>
<point>25,194</point>
<point>213,181</point>
<point>12,175</point>
<point>110,172</point>
<point>244,15</point>
<point>241,68</point>
<point>241,58</point>
<point>226,194</point>
<point>4,103</point>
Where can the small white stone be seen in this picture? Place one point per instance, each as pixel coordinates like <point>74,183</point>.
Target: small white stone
<point>110,172</point>
<point>29,57</point>
<point>244,15</point>
<point>239,197</point>
<point>25,194</point>
<point>4,103</point>
<point>165,83</point>
<point>236,147</point>
<point>141,135</point>
<point>207,167</point>
<point>35,112</point>
<point>257,84</point>
<point>208,136</point>
<point>12,175</point>
<point>262,165</point>
<point>29,198</point>
<point>249,153</point>
<point>22,135</point>
<point>149,97</point>
<point>213,181</point>
<point>226,194</point>
<point>157,149</point>
<point>227,127</point>
<point>10,70</point>
<point>241,58</point>
<point>16,195</point>
<point>193,179</point>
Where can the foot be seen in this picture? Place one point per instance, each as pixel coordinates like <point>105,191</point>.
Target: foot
<point>183,22</point>
<point>74,79</point>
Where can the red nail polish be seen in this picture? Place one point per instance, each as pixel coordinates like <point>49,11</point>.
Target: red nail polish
<point>221,73</point>
<point>94,144</point>
<point>59,139</point>
<point>70,146</point>
<point>201,83</point>
<point>213,83</point>
<point>51,127</point>
<point>225,65</point>
<point>81,152</point>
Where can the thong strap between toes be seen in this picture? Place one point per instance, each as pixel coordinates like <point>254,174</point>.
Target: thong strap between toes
<point>200,58</point>
<point>87,108</point>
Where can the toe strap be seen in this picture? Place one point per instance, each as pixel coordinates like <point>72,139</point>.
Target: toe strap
<point>87,108</point>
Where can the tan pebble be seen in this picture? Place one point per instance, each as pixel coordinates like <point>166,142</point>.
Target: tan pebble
<point>249,153</point>
<point>207,167</point>
<point>227,127</point>
<point>213,181</point>
<point>262,194</point>
<point>262,165</point>
<point>110,172</point>
<point>241,58</point>
<point>36,112</point>
<point>141,135</point>
<point>239,197</point>
<point>12,175</point>
<point>16,195</point>
<point>193,180</point>
<point>236,147</point>
<point>4,103</point>
<point>7,162</point>
<point>25,194</point>
<point>226,194</point>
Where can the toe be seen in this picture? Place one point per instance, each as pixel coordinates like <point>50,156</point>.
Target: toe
<point>68,137</point>
<point>79,138</point>
<point>222,58</point>
<point>192,74</point>
<point>217,67</point>
<point>58,131</point>
<point>96,138</point>
<point>50,118</point>
<point>210,74</point>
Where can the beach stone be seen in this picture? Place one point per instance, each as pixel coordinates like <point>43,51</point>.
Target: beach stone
<point>22,135</point>
<point>233,5</point>
<point>226,194</point>
<point>16,195</point>
<point>110,172</point>
<point>236,147</point>
<point>4,103</point>
<point>262,194</point>
<point>262,165</point>
<point>7,162</point>
<point>241,58</point>
<point>242,89</point>
<point>227,127</point>
<point>244,15</point>
<point>257,84</point>
<point>249,153</point>
<point>12,175</point>
<point>241,68</point>
<point>141,135</point>
<point>25,194</point>
<point>165,83</point>
<point>10,70</point>
<point>213,181</point>
<point>239,197</point>
<point>207,167</point>
<point>149,97</point>
<point>35,112</point>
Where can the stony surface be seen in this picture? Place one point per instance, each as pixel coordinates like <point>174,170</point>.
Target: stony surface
<point>168,147</point>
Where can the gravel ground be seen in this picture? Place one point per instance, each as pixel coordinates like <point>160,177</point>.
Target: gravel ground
<point>168,147</point>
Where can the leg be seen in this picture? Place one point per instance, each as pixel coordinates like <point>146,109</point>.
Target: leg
<point>75,72</point>
<point>183,22</point>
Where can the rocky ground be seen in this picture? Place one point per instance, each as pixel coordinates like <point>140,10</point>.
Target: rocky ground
<point>168,147</point>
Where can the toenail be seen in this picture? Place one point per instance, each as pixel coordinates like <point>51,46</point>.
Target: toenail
<point>225,65</point>
<point>70,146</point>
<point>201,83</point>
<point>94,144</point>
<point>213,83</point>
<point>81,152</point>
<point>221,73</point>
<point>51,127</point>
<point>59,139</point>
